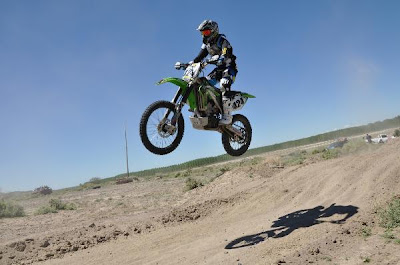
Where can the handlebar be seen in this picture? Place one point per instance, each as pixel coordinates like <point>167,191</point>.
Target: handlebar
<point>212,60</point>
<point>179,65</point>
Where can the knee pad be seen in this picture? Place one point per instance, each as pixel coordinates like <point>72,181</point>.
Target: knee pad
<point>225,84</point>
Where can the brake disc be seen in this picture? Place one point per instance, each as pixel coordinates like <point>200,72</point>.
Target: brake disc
<point>166,130</point>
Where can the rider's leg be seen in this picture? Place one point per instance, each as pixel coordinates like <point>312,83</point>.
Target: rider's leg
<point>212,77</point>
<point>226,81</point>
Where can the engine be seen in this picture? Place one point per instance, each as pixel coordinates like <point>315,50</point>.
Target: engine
<point>211,109</point>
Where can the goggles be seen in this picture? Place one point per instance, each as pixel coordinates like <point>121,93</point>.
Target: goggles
<point>206,32</point>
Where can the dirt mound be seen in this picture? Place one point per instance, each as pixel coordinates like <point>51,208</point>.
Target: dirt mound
<point>321,212</point>
<point>194,212</point>
<point>39,249</point>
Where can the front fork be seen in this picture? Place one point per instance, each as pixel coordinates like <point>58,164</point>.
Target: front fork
<point>178,107</point>
<point>180,102</point>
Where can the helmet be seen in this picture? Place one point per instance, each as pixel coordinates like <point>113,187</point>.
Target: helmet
<point>209,30</point>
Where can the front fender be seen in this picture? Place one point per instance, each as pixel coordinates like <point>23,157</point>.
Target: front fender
<point>183,85</point>
<point>174,80</point>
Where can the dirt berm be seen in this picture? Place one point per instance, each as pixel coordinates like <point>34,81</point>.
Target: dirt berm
<point>323,212</point>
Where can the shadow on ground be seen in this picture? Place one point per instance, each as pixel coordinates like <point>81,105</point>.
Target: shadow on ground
<point>300,219</point>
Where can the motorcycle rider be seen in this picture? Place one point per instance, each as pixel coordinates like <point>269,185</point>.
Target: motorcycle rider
<point>226,70</point>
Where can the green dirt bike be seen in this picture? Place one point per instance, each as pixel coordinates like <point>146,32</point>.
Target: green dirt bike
<point>162,125</point>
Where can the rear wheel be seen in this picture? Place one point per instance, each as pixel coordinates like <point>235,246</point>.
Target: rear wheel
<point>157,132</point>
<point>233,144</point>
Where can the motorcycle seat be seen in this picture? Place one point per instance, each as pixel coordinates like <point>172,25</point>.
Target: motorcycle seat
<point>231,94</point>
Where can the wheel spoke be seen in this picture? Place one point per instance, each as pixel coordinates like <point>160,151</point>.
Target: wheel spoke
<point>237,144</point>
<point>157,136</point>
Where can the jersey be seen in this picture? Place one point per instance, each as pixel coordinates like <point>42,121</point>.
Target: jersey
<point>221,47</point>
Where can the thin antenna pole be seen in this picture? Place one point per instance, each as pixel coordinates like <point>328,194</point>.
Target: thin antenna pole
<point>126,152</point>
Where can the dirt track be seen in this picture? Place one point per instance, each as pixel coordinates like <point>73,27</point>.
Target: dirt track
<point>309,213</point>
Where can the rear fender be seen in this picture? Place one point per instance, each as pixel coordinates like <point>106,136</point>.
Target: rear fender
<point>246,95</point>
<point>239,100</point>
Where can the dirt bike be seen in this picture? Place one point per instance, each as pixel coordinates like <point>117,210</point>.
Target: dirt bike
<point>162,124</point>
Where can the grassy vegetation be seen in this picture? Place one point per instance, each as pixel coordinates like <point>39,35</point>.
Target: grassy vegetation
<point>45,210</point>
<point>17,196</point>
<point>95,180</point>
<point>390,220</point>
<point>9,210</point>
<point>300,157</point>
<point>390,216</point>
<point>329,154</point>
<point>327,258</point>
<point>366,259</point>
<point>192,184</point>
<point>295,158</point>
<point>388,234</point>
<point>351,147</point>
<point>366,232</point>
<point>358,145</point>
<point>317,151</point>
<point>54,206</point>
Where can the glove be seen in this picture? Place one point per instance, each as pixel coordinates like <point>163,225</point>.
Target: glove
<point>178,65</point>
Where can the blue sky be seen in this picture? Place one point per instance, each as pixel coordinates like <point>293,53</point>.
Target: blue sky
<point>73,73</point>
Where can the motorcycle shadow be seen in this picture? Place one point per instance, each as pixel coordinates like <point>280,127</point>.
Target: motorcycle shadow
<point>299,219</point>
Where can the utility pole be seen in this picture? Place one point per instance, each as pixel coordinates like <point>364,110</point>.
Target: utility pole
<point>126,152</point>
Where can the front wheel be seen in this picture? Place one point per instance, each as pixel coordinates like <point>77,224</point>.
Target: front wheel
<point>233,144</point>
<point>157,132</point>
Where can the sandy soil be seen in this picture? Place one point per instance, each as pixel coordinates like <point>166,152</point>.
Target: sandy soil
<point>316,212</point>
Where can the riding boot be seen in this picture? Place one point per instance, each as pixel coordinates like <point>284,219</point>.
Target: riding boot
<point>227,109</point>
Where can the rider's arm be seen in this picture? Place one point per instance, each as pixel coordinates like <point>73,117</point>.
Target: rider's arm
<point>202,54</point>
<point>227,53</point>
